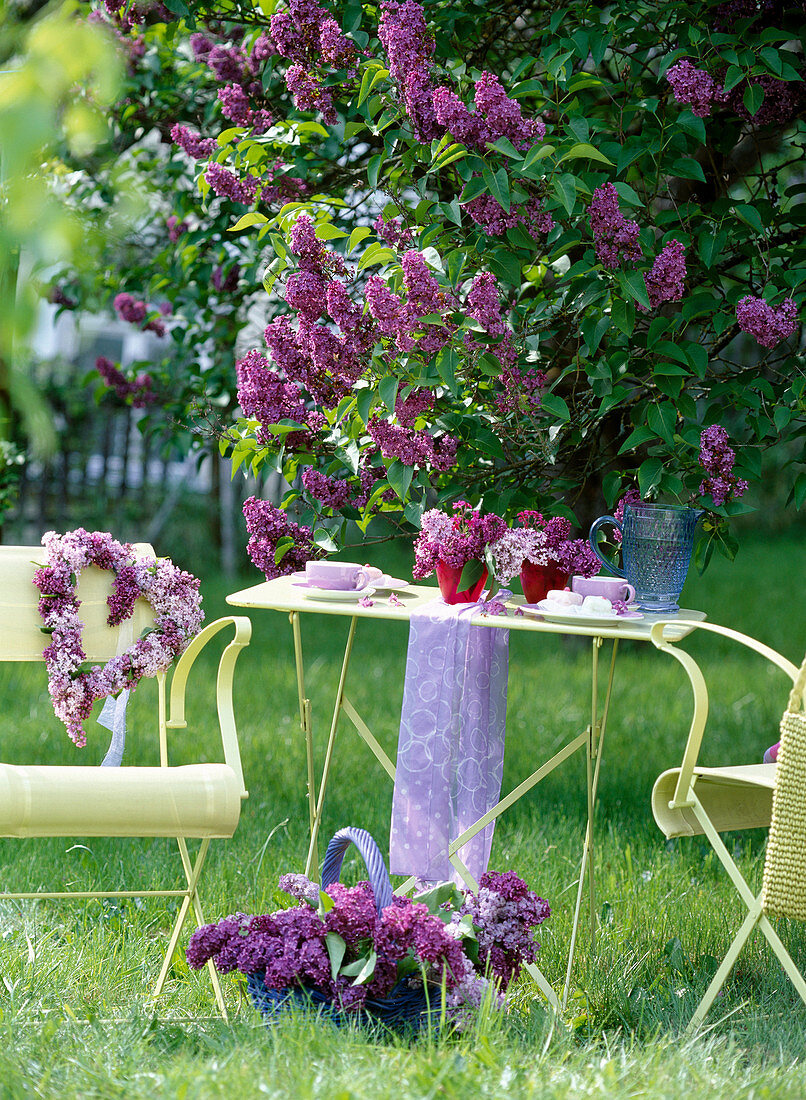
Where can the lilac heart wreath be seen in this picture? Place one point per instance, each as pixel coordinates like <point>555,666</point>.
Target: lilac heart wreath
<point>172,593</point>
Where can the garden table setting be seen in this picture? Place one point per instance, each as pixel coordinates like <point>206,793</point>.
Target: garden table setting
<point>448,772</point>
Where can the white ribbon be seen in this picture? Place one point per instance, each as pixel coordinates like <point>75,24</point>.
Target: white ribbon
<point>113,712</point>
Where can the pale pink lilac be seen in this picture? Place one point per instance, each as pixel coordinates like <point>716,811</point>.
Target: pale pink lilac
<point>172,593</point>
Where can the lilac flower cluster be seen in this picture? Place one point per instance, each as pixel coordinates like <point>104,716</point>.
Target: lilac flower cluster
<point>236,106</point>
<point>139,391</point>
<point>332,492</point>
<point>135,311</point>
<point>267,525</point>
<point>783,100</point>
<point>402,319</point>
<point>505,914</point>
<point>175,228</point>
<point>454,540</point>
<point>309,36</point>
<point>521,390</point>
<point>632,496</point>
<point>172,593</point>
<point>488,213</point>
<point>289,948</point>
<point>409,47</point>
<point>768,324</point>
<point>393,232</point>
<point>615,238</point>
<point>717,459</point>
<point>192,143</point>
<point>412,446</point>
<point>224,182</point>
<point>666,280</point>
<point>496,116</point>
<point>542,542</point>
<point>694,87</point>
<point>413,403</point>
<point>264,395</point>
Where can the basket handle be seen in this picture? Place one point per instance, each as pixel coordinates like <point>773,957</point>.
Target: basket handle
<point>796,696</point>
<point>370,853</point>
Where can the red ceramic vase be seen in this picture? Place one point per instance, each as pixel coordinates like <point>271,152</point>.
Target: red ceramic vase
<point>538,580</point>
<point>448,577</point>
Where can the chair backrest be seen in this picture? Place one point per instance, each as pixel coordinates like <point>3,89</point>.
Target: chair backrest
<point>21,637</point>
<point>784,890</point>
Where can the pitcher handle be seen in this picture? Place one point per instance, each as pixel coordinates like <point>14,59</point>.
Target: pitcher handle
<point>597,523</point>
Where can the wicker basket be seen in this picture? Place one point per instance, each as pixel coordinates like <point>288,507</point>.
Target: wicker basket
<point>403,1010</point>
<point>784,891</point>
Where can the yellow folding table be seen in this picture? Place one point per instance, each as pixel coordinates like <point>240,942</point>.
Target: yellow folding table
<point>282,594</point>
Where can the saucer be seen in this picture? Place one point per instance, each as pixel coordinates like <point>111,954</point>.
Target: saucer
<point>343,595</point>
<point>385,582</point>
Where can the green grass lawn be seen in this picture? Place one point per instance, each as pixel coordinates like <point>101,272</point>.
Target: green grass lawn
<point>664,910</point>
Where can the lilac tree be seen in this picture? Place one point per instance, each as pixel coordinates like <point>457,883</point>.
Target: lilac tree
<point>521,257</point>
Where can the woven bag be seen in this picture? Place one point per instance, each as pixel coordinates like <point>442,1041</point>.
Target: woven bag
<point>403,1010</point>
<point>784,889</point>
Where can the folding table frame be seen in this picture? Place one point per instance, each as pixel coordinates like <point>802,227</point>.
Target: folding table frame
<point>282,595</point>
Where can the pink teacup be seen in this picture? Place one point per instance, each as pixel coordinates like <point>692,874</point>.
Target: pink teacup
<point>341,576</point>
<point>612,588</point>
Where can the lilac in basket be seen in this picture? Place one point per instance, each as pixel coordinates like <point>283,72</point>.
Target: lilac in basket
<point>365,954</point>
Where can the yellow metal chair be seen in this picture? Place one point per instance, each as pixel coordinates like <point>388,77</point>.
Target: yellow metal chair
<point>693,800</point>
<point>193,801</point>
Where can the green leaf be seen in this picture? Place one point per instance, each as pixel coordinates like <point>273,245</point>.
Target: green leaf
<point>752,98</point>
<point>632,283</point>
<point>565,190</point>
<point>363,403</point>
<point>585,151</point>
<point>555,405</point>
<point>661,419</point>
<point>336,949</point>
<point>281,549</point>
<point>324,540</point>
<point>505,146</point>
<point>373,169</point>
<point>357,236</point>
<point>799,490</point>
<point>750,216</point>
<point>733,76</point>
<point>710,244</point>
<point>636,437</point>
<point>623,314</point>
<point>326,902</point>
<point>254,217</point>
<point>475,187</point>
<point>498,186</point>
<point>471,574</point>
<point>534,156</point>
<point>399,477</point>
<point>447,361</point>
<point>327,232</point>
<point>687,168</point>
<point>387,388</point>
<point>649,474</point>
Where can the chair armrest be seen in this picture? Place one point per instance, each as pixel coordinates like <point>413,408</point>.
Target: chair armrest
<point>700,691</point>
<point>226,669</point>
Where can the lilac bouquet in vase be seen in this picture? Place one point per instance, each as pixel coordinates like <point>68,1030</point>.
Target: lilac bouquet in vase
<point>456,548</point>
<point>543,553</point>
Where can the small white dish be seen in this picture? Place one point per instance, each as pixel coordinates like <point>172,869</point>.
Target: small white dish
<point>334,595</point>
<point>556,613</point>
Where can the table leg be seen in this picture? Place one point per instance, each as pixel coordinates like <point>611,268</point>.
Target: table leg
<point>595,743</point>
<point>304,717</point>
<point>312,862</point>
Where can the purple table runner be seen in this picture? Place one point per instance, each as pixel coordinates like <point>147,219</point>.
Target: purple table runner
<point>451,745</point>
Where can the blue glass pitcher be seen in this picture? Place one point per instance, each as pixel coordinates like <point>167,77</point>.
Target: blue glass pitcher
<point>656,545</point>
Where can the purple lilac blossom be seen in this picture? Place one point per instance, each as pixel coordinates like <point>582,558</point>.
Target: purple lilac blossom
<point>266,525</point>
<point>615,238</point>
<point>666,281</point>
<point>393,232</point>
<point>505,914</point>
<point>694,87</point>
<point>226,183</point>
<point>409,47</point>
<point>454,540</point>
<point>172,593</point>
<point>329,490</point>
<point>717,458</point>
<point>139,390</point>
<point>192,143</point>
<point>768,324</point>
